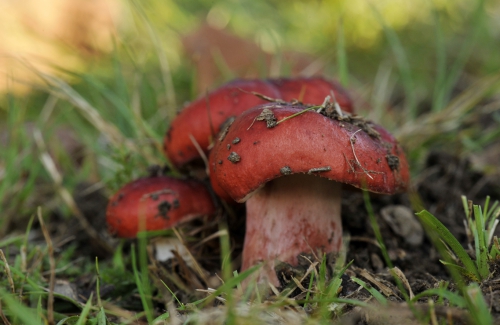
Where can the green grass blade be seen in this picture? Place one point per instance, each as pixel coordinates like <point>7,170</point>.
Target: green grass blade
<point>342,56</point>
<point>228,284</point>
<point>477,306</point>
<point>374,292</point>
<point>463,271</point>
<point>402,64</point>
<point>101,317</point>
<point>439,90</point>
<point>453,298</point>
<point>142,285</point>
<point>432,224</point>
<point>463,55</point>
<point>85,312</point>
<point>481,245</point>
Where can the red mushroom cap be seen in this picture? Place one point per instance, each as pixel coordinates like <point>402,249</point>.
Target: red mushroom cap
<point>351,151</point>
<point>163,202</point>
<point>312,91</point>
<point>204,117</point>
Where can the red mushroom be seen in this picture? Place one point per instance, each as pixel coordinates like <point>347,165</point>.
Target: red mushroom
<point>155,203</point>
<point>203,119</point>
<point>290,175</point>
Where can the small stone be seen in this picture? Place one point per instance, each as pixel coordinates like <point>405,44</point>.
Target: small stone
<point>404,223</point>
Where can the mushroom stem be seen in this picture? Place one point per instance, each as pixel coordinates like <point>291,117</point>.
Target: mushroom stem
<point>289,216</point>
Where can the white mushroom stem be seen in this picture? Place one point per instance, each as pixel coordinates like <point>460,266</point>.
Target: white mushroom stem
<point>289,216</point>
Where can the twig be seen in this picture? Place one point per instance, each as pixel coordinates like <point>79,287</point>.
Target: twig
<point>351,140</point>
<point>52,263</point>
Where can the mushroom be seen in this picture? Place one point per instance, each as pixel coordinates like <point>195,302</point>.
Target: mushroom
<point>202,120</point>
<point>290,173</point>
<point>155,203</point>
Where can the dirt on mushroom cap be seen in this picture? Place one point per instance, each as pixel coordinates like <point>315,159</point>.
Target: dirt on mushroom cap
<point>338,149</point>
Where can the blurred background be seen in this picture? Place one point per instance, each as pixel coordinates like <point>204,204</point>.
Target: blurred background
<point>88,87</point>
<point>250,37</point>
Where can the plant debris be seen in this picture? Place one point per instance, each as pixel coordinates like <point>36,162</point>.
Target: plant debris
<point>319,170</point>
<point>234,157</point>
<point>266,115</point>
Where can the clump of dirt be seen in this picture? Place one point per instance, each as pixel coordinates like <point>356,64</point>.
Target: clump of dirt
<point>268,116</point>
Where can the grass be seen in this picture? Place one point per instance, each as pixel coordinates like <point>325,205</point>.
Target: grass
<point>120,115</point>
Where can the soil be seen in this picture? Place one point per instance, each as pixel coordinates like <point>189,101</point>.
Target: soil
<point>442,182</point>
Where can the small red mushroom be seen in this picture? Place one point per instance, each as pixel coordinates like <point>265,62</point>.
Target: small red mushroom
<point>290,175</point>
<point>155,203</point>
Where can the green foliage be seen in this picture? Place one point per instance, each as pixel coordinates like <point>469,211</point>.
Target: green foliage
<point>481,226</point>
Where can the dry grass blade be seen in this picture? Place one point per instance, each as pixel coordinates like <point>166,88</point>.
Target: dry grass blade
<point>300,286</point>
<point>165,69</point>
<point>50,166</point>
<point>201,153</point>
<point>135,107</point>
<point>415,132</point>
<point>403,279</point>
<point>197,266</point>
<point>352,142</point>
<point>52,263</point>
<point>174,318</point>
<point>383,288</point>
<point>212,236</point>
<point>7,272</point>
<point>63,90</point>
